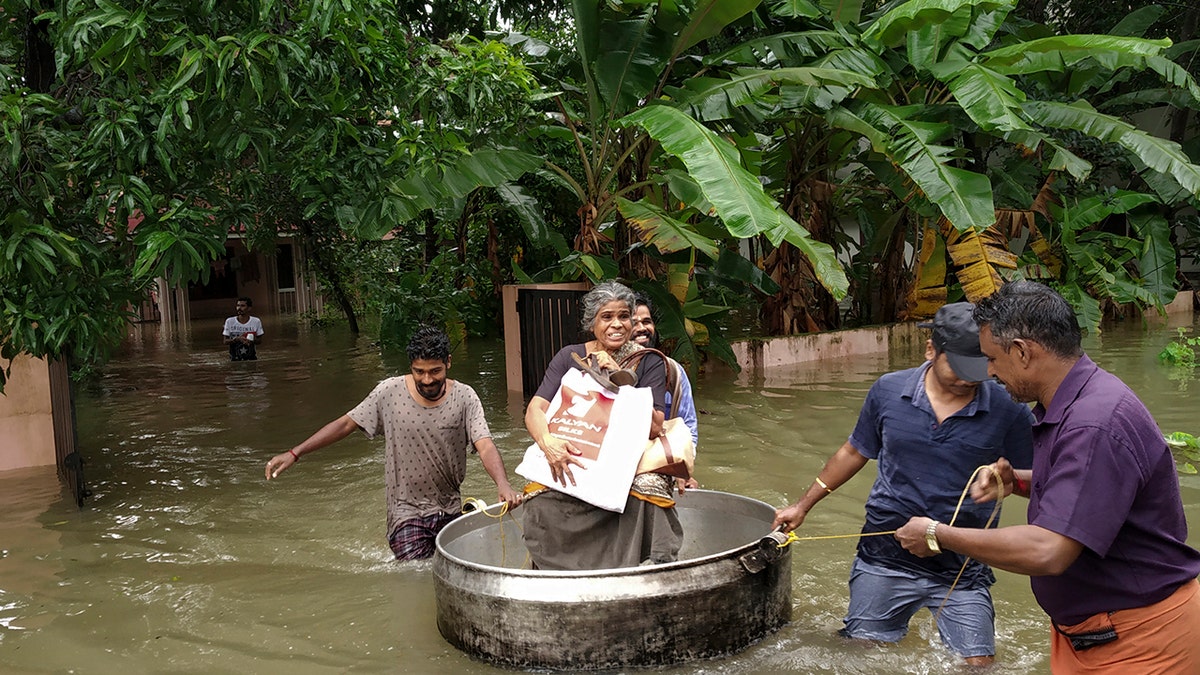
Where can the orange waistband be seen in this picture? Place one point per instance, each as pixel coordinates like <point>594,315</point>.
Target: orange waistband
<point>1157,638</point>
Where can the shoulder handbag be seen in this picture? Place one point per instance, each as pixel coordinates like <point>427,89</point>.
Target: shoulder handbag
<point>673,453</point>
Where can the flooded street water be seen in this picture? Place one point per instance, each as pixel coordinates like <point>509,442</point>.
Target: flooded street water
<point>186,560</point>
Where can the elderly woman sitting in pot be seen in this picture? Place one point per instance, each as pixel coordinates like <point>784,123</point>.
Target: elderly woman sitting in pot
<point>565,533</point>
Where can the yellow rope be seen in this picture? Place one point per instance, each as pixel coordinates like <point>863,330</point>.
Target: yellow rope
<point>483,508</point>
<point>791,536</point>
<point>991,518</point>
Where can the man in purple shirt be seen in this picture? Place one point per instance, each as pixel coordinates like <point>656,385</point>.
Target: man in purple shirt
<point>1106,540</point>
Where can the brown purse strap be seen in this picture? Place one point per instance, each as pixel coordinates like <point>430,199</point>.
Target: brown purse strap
<point>632,360</point>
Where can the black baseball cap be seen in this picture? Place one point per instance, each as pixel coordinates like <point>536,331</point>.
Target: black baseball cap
<point>956,333</point>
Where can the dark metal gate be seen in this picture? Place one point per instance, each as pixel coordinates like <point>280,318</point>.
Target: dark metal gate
<point>62,407</point>
<point>549,321</point>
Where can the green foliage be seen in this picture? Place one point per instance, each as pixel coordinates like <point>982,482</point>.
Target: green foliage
<point>1117,251</point>
<point>134,137</point>
<point>1181,352</point>
<point>1186,448</point>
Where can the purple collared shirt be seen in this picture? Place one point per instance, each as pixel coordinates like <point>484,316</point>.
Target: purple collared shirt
<point>1103,476</point>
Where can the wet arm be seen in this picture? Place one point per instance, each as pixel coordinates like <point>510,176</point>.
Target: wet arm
<point>841,467</point>
<point>536,422</point>
<point>1023,549</point>
<point>493,463</point>
<point>326,435</point>
<point>687,406</point>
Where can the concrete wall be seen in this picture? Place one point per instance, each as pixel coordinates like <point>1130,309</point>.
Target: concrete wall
<point>26,420</point>
<point>1184,303</point>
<point>757,355</point>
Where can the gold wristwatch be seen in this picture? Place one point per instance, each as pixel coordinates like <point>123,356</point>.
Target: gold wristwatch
<point>931,537</point>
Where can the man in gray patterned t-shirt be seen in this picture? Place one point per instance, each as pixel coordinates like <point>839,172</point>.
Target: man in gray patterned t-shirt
<point>428,422</point>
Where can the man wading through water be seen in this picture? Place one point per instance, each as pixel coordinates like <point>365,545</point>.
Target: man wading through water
<point>428,421</point>
<point>928,428</point>
<point>242,332</point>
<point>1106,544</point>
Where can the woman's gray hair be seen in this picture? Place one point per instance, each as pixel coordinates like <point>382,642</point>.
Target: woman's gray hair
<point>602,294</point>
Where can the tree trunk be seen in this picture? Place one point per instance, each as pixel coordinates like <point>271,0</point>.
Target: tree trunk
<point>1181,116</point>
<point>431,236</point>
<point>320,250</point>
<point>39,53</point>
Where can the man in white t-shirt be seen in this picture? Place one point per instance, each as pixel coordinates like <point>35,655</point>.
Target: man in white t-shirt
<point>242,332</point>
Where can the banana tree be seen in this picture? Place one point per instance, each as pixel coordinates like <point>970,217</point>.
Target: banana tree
<point>991,87</point>
<point>953,93</point>
<point>655,188</point>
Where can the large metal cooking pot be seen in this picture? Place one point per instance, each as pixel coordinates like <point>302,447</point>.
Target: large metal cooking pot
<point>731,586</point>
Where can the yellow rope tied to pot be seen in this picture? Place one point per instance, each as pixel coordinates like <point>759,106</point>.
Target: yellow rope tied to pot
<point>791,536</point>
<point>474,504</point>
<point>481,507</point>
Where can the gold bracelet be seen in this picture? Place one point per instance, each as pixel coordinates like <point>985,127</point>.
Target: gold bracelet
<point>823,485</point>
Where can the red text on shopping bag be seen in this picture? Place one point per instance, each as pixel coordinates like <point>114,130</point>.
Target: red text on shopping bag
<point>582,418</point>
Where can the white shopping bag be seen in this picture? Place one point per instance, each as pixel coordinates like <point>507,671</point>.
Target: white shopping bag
<point>609,429</point>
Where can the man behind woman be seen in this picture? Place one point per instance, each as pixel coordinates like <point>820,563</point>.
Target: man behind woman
<point>562,532</point>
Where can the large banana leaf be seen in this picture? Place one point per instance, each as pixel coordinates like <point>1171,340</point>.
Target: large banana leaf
<point>1159,154</point>
<point>1176,75</point>
<point>976,255</point>
<point>709,18</point>
<point>715,99</point>
<point>488,167</point>
<point>715,165</point>
<point>1101,260</point>
<point>795,9</point>
<point>821,255</point>
<point>1156,260</point>
<point>587,45</point>
<point>633,58</point>
<point>1137,22</point>
<point>1091,210</point>
<point>925,44</point>
<point>1087,308</point>
<point>667,234</point>
<point>732,265</point>
<point>1061,53</point>
<point>1149,98</point>
<point>844,11</point>
<point>1062,159</point>
<point>990,99</point>
<point>529,212</point>
<point>733,191</point>
<point>929,290</point>
<point>965,197</point>
<point>785,49</point>
<point>894,26</point>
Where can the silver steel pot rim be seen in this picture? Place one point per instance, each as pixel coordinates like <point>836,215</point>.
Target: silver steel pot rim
<point>591,574</point>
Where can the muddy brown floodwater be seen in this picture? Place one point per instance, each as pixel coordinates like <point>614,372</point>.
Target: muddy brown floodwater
<point>185,560</point>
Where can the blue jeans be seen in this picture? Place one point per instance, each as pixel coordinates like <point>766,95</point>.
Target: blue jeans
<point>883,600</point>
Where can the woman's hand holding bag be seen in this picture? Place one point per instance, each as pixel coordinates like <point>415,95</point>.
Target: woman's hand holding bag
<point>560,455</point>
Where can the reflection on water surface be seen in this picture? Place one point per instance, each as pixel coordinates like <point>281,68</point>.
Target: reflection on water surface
<point>187,560</point>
